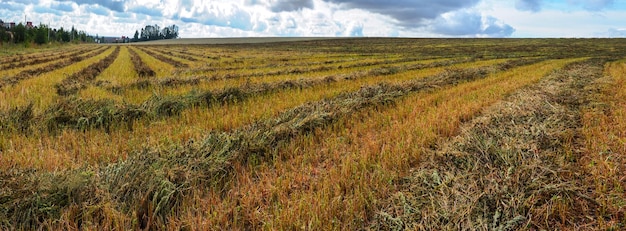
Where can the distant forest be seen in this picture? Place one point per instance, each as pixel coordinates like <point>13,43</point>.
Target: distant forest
<point>41,34</point>
<point>150,33</point>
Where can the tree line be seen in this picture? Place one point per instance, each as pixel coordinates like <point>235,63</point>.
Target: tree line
<point>42,34</point>
<point>154,32</point>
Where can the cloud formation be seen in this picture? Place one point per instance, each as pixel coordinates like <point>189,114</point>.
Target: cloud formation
<point>470,24</point>
<point>408,13</point>
<point>282,5</point>
<point>228,18</point>
<point>617,33</point>
<point>114,5</point>
<point>590,5</point>
<point>528,5</point>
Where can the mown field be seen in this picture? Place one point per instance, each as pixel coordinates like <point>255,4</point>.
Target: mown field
<point>346,134</point>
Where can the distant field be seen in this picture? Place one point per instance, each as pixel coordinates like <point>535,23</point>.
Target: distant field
<point>315,134</point>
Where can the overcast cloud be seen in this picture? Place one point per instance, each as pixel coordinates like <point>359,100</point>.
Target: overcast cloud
<point>405,18</point>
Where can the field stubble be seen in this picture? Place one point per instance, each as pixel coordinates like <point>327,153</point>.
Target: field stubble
<point>266,145</point>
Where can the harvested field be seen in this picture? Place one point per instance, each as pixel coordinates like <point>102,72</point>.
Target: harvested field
<point>141,68</point>
<point>46,58</point>
<point>26,74</point>
<point>318,134</point>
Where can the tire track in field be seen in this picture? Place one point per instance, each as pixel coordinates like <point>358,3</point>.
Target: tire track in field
<point>77,81</point>
<point>27,74</point>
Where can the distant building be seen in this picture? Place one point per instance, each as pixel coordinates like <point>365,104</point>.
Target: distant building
<point>29,25</point>
<point>7,25</point>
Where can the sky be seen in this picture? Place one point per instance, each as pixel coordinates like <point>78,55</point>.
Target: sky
<point>330,18</point>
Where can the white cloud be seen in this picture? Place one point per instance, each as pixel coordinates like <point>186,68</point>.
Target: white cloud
<point>409,18</point>
<point>555,22</point>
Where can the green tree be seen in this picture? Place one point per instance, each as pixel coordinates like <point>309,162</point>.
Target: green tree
<point>63,35</point>
<point>53,35</point>
<point>136,37</point>
<point>41,34</point>
<point>83,36</point>
<point>2,35</point>
<point>74,33</point>
<point>19,33</point>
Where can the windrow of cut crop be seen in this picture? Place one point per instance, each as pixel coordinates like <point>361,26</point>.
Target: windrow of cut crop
<point>163,58</point>
<point>515,167</point>
<point>23,57</point>
<point>26,74</point>
<point>383,70</point>
<point>47,58</point>
<point>297,63</point>
<point>142,69</point>
<point>72,84</point>
<point>151,184</point>
<point>343,172</point>
<point>305,67</point>
<point>185,51</point>
<point>83,114</point>
<point>604,139</point>
<point>178,55</point>
<point>194,80</point>
<point>45,151</point>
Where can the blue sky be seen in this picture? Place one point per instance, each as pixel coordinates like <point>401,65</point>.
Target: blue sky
<point>386,18</point>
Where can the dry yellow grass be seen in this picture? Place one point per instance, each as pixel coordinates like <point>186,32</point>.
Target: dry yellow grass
<point>72,148</point>
<point>140,95</point>
<point>162,69</point>
<point>120,72</point>
<point>604,130</point>
<point>335,177</point>
<point>293,146</point>
<point>40,90</point>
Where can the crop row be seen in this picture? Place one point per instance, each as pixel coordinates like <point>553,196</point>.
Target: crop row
<point>152,184</point>
<point>23,57</point>
<point>176,54</point>
<point>163,58</point>
<point>44,59</point>
<point>343,172</point>
<point>26,74</point>
<point>509,169</point>
<point>300,67</point>
<point>79,80</point>
<point>85,114</point>
<point>194,80</point>
<point>292,138</point>
<point>142,69</point>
